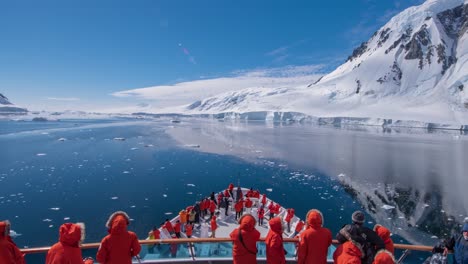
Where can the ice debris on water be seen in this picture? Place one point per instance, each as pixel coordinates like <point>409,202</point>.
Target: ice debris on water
<point>54,208</point>
<point>341,175</point>
<point>164,195</point>
<point>387,207</point>
<point>61,139</point>
<point>50,226</point>
<point>14,234</point>
<point>191,184</point>
<point>41,154</point>
<point>125,172</point>
<point>66,218</point>
<point>119,138</point>
<point>269,189</point>
<point>114,198</point>
<point>168,213</point>
<point>47,220</point>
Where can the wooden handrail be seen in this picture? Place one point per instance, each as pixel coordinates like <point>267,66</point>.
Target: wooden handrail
<point>208,240</point>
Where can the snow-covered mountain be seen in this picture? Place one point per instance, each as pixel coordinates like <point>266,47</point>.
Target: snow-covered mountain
<point>7,108</point>
<point>413,68</point>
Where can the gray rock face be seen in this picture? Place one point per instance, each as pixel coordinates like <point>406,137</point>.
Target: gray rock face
<point>4,100</point>
<point>358,51</point>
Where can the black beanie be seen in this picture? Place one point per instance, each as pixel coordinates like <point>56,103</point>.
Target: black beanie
<point>358,217</point>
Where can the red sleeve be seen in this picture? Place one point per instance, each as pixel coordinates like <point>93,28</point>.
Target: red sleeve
<point>136,247</point>
<point>102,254</point>
<point>302,251</point>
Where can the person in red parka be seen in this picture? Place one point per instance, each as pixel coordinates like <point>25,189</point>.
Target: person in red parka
<point>188,230</point>
<point>299,226</point>
<point>67,250</point>
<point>289,217</point>
<point>274,242</point>
<point>261,215</point>
<point>384,234</point>
<point>245,238</point>
<point>120,245</point>
<point>384,256</point>
<point>9,252</point>
<point>214,226</point>
<point>349,252</point>
<point>314,241</point>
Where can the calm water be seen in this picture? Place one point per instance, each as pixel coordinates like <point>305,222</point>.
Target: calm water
<point>411,181</point>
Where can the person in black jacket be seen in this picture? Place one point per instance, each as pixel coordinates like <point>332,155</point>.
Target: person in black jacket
<point>459,244</point>
<point>365,236</point>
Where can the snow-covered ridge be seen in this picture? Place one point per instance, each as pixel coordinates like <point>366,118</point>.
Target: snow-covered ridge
<point>413,71</point>
<point>7,108</point>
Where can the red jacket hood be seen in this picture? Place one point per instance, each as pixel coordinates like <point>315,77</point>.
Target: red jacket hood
<point>247,222</point>
<point>384,257</point>
<point>118,222</point>
<point>4,229</point>
<point>71,234</point>
<point>314,218</point>
<point>276,225</point>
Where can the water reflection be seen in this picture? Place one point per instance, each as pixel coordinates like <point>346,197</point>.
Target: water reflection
<point>411,180</point>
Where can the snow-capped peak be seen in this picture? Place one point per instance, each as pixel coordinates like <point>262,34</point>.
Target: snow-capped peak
<point>4,100</point>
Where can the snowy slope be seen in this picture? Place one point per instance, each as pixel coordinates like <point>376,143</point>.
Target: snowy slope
<point>6,107</point>
<point>414,70</point>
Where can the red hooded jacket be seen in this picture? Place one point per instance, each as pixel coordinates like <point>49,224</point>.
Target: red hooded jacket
<point>120,245</point>
<point>245,254</point>
<point>299,226</point>
<point>274,242</point>
<point>384,234</point>
<point>289,215</point>
<point>347,253</point>
<point>9,252</point>
<point>67,250</point>
<point>213,223</point>
<point>314,241</point>
<point>384,256</point>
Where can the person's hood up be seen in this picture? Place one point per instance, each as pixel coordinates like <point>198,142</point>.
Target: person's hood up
<point>4,229</point>
<point>352,248</point>
<point>384,256</point>
<point>314,218</point>
<point>465,226</point>
<point>118,222</point>
<point>276,225</point>
<point>382,232</point>
<point>72,234</point>
<point>247,222</point>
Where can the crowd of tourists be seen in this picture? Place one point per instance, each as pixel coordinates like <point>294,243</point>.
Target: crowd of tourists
<point>357,243</point>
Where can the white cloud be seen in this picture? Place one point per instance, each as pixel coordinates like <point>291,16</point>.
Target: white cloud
<point>63,98</point>
<point>187,92</point>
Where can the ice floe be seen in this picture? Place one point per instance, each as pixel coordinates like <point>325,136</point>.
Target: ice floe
<point>114,198</point>
<point>54,208</point>
<point>191,184</point>
<point>41,154</point>
<point>387,207</point>
<point>269,189</point>
<point>119,138</point>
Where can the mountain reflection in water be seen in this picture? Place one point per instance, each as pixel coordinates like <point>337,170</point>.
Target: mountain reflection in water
<point>411,181</point>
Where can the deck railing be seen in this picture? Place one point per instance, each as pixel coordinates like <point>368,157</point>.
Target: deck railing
<point>210,240</point>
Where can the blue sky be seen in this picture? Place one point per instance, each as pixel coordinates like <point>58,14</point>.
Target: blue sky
<point>77,54</point>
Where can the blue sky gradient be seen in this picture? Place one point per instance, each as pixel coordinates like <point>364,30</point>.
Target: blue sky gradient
<point>66,54</point>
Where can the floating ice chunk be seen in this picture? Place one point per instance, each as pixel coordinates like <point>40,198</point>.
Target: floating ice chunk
<point>189,192</point>
<point>14,234</point>
<point>50,226</point>
<point>114,198</point>
<point>149,145</point>
<point>164,195</point>
<point>66,218</point>
<point>44,133</point>
<point>269,189</point>
<point>168,213</point>
<point>41,154</point>
<point>47,220</point>
<point>133,148</point>
<point>119,138</point>
<point>387,207</point>
<point>132,206</point>
<point>54,208</point>
<point>435,237</point>
<point>341,175</point>
<point>191,184</point>
<point>126,172</point>
<point>61,139</point>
